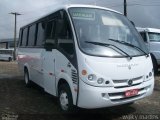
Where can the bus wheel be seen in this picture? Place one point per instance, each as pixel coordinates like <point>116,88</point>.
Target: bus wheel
<point>155,65</point>
<point>26,78</point>
<point>9,59</point>
<point>65,98</point>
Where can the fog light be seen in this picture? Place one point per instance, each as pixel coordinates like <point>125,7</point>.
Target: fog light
<point>107,82</point>
<point>147,76</point>
<point>150,74</point>
<point>100,80</point>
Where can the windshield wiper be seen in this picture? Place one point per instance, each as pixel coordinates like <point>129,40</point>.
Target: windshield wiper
<point>125,43</point>
<point>108,45</point>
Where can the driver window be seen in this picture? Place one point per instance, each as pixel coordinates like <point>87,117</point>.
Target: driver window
<point>143,34</point>
<point>65,36</point>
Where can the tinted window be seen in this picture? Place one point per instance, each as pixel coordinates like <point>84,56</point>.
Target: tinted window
<point>40,34</point>
<point>24,37</point>
<point>20,37</point>
<point>50,32</point>
<point>50,35</point>
<point>154,36</point>
<point>6,51</point>
<point>65,38</point>
<point>31,37</point>
<point>143,34</point>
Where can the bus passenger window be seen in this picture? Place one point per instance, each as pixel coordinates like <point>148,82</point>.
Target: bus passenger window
<point>40,34</point>
<point>24,37</point>
<point>50,35</point>
<point>31,38</point>
<point>20,37</point>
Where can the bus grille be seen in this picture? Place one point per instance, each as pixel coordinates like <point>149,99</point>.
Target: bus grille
<point>120,96</point>
<point>124,82</point>
<point>74,76</point>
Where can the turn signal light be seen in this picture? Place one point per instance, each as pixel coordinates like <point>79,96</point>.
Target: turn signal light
<point>84,72</point>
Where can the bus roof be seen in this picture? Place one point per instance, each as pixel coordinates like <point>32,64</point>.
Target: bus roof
<point>155,30</point>
<point>65,7</point>
<point>90,6</point>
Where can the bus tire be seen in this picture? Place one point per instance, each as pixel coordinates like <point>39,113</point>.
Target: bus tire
<point>155,65</point>
<point>9,59</point>
<point>26,78</point>
<point>65,98</point>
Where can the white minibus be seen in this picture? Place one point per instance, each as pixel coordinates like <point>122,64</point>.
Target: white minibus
<point>87,56</point>
<point>151,37</point>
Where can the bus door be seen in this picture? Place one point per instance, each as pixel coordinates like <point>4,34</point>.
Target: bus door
<point>48,59</point>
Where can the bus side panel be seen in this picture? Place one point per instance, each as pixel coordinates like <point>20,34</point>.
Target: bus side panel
<point>31,57</point>
<point>63,71</point>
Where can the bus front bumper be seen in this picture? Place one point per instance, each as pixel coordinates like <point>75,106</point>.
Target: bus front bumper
<point>91,97</point>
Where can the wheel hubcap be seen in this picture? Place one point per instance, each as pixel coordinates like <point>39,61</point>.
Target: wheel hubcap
<point>64,100</point>
<point>26,78</point>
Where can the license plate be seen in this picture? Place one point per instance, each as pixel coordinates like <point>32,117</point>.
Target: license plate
<point>130,93</point>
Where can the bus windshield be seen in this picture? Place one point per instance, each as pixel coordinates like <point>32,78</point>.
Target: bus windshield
<point>106,27</point>
<point>154,36</point>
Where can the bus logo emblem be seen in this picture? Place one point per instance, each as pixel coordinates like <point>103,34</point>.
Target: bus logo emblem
<point>130,82</point>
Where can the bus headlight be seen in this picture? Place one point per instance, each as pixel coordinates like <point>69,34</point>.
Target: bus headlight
<point>100,80</point>
<point>92,77</point>
<point>149,76</point>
